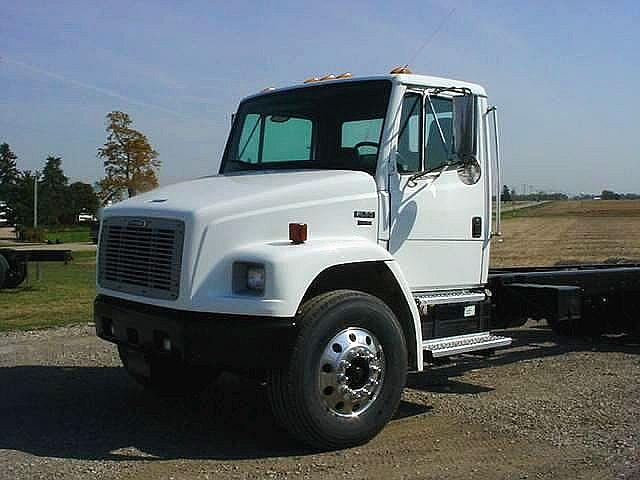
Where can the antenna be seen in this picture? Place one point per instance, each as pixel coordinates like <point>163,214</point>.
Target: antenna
<point>432,36</point>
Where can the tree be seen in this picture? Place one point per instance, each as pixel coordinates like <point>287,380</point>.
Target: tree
<point>53,196</point>
<point>8,170</point>
<point>21,198</point>
<point>609,195</point>
<point>83,199</point>
<point>130,163</point>
<point>506,194</point>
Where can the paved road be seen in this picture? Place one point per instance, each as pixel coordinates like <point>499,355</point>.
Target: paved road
<point>541,409</point>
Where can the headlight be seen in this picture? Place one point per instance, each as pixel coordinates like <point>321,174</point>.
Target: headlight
<point>255,278</point>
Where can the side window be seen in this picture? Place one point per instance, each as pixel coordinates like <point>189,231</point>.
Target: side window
<point>248,147</point>
<point>287,139</point>
<point>408,156</point>
<point>438,141</point>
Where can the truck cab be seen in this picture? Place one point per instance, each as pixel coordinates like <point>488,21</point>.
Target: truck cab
<point>344,241</point>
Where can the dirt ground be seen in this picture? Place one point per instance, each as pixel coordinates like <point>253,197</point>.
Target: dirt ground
<point>570,232</point>
<point>543,408</point>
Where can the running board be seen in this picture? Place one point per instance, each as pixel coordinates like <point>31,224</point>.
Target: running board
<point>444,347</point>
<point>424,299</point>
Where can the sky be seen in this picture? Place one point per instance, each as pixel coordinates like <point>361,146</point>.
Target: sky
<point>564,75</point>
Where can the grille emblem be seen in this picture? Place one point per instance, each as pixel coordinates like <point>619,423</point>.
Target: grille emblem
<point>137,222</point>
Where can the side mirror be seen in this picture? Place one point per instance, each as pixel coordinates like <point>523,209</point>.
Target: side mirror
<point>464,128</point>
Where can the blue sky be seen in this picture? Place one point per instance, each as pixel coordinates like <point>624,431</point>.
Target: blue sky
<point>564,74</point>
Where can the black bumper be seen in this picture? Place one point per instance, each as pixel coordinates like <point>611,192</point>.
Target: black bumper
<point>228,341</point>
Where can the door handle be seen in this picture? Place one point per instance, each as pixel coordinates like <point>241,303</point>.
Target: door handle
<point>476,227</point>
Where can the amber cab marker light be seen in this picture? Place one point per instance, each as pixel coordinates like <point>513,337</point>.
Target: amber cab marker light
<point>404,69</point>
<point>298,233</point>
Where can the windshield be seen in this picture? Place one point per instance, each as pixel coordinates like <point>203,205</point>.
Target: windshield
<point>333,126</point>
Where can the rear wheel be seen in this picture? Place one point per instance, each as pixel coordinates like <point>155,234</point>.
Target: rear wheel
<point>16,275</point>
<point>13,272</point>
<point>170,377</point>
<point>346,373</point>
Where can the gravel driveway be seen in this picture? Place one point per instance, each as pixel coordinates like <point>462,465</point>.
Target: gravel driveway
<point>542,409</point>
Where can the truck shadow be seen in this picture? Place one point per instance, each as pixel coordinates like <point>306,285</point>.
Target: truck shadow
<point>99,414</point>
<point>531,343</point>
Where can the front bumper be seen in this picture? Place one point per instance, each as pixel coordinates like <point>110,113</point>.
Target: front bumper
<point>221,340</point>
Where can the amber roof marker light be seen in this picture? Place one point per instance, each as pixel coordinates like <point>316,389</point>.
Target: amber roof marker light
<point>403,69</point>
<point>329,76</point>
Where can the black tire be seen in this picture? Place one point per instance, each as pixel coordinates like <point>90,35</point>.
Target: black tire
<point>16,275</point>
<point>170,377</point>
<point>293,391</point>
<point>4,269</point>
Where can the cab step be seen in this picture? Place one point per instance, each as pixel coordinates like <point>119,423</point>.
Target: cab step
<point>444,347</point>
<point>440,297</point>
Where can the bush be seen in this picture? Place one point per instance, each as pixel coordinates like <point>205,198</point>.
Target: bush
<point>30,234</point>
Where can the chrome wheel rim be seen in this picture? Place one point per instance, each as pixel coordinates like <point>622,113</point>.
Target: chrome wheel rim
<point>351,372</point>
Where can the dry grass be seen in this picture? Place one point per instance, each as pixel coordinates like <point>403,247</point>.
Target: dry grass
<point>570,232</point>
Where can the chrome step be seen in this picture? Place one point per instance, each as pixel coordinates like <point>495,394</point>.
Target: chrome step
<point>444,347</point>
<point>424,299</point>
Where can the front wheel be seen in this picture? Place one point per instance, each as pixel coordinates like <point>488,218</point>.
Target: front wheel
<point>346,372</point>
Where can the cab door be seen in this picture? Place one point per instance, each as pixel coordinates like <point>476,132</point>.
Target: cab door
<point>438,222</point>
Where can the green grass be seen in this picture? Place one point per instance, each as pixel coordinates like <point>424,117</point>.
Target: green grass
<point>63,296</point>
<point>67,234</point>
<point>528,211</point>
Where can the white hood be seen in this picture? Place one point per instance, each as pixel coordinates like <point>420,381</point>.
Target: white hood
<point>235,217</point>
<point>223,195</point>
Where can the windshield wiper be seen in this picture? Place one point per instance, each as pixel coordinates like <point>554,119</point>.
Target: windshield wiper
<point>440,169</point>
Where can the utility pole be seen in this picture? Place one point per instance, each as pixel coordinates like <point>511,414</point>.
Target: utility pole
<point>35,218</point>
<point>35,200</point>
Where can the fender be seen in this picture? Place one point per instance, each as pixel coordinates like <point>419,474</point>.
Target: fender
<point>413,308</point>
<point>289,271</point>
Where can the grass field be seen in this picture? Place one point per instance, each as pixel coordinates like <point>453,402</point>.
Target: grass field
<point>558,232</point>
<point>67,234</point>
<point>62,296</point>
<point>587,231</point>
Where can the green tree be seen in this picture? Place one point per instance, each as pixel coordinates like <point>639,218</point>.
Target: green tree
<point>83,199</point>
<point>21,198</point>
<point>53,195</point>
<point>609,195</point>
<point>506,194</point>
<point>8,170</point>
<point>131,164</point>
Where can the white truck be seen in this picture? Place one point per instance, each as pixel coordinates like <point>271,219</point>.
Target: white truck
<point>344,242</point>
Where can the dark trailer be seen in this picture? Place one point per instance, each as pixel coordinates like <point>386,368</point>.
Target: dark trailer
<point>14,263</point>
<point>575,299</point>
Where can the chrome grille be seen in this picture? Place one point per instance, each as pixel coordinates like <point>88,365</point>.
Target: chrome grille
<point>141,256</point>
